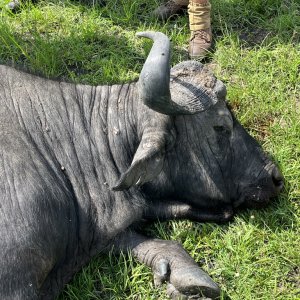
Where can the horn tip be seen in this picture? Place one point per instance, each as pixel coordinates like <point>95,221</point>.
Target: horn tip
<point>147,34</point>
<point>153,35</point>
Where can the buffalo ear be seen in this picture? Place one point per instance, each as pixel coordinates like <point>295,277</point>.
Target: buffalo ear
<point>146,165</point>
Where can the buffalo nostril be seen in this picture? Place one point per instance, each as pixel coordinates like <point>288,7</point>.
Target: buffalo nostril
<point>277,178</point>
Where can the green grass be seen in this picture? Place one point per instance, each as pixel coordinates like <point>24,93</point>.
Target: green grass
<point>257,55</point>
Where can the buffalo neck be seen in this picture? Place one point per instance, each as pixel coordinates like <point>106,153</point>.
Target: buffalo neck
<point>86,138</point>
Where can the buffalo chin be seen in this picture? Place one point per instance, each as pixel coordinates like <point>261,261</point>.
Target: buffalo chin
<point>256,203</point>
<point>255,199</point>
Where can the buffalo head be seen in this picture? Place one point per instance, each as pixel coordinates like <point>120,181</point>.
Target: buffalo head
<point>194,151</point>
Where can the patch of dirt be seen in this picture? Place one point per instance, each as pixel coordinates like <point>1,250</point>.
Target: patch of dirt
<point>234,106</point>
<point>294,277</point>
<point>255,36</point>
<point>298,103</point>
<point>260,126</point>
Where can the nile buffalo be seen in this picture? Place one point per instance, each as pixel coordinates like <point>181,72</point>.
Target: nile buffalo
<point>82,165</point>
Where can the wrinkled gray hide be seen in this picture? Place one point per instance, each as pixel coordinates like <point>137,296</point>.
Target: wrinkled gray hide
<point>82,165</point>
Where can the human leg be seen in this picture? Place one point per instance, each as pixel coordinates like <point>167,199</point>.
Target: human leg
<point>200,26</point>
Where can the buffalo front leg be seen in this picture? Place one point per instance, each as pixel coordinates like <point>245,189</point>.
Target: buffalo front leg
<point>167,210</point>
<point>172,264</point>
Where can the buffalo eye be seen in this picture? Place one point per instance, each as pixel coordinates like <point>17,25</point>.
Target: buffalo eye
<point>222,129</point>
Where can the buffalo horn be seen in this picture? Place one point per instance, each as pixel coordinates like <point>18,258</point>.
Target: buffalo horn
<point>154,81</point>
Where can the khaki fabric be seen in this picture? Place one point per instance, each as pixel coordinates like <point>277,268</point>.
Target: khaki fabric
<point>199,15</point>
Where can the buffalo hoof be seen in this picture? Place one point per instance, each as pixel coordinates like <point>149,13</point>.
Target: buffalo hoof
<point>188,282</point>
<point>195,283</point>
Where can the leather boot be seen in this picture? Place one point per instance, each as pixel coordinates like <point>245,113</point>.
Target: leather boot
<point>200,43</point>
<point>170,8</point>
<point>200,26</point>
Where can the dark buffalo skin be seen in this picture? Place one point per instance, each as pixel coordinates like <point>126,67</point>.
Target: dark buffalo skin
<point>82,165</point>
